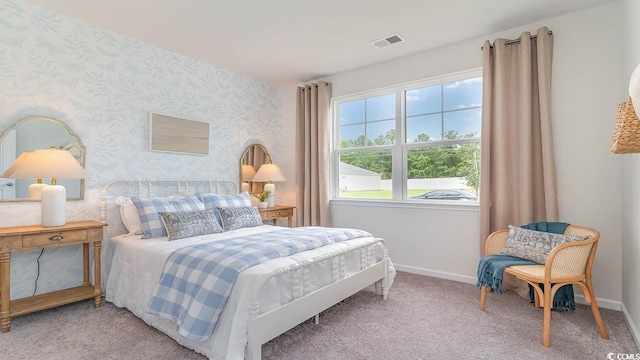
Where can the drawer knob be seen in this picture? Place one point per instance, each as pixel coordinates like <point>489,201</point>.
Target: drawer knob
<point>278,213</point>
<point>56,237</point>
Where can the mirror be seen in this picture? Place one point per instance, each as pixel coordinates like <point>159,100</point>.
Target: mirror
<point>253,157</point>
<point>29,134</point>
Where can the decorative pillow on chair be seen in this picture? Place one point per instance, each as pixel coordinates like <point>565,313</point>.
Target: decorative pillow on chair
<point>185,224</point>
<point>534,245</point>
<point>240,217</point>
<point>148,210</point>
<point>215,201</point>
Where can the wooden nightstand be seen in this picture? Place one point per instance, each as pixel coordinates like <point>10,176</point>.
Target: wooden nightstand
<point>277,212</point>
<point>35,237</point>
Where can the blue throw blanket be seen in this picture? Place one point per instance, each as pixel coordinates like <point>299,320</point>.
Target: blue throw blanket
<point>197,280</point>
<point>491,269</point>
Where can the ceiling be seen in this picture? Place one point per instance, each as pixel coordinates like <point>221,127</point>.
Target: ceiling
<point>291,41</point>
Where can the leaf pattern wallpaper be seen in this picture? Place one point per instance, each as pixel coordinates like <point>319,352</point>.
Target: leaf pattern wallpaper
<point>103,85</point>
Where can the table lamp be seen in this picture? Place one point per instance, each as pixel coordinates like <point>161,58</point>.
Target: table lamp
<point>248,172</point>
<point>269,173</point>
<point>54,164</point>
<point>35,190</point>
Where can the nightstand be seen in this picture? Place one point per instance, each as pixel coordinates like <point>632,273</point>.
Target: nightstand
<point>34,237</point>
<point>277,212</point>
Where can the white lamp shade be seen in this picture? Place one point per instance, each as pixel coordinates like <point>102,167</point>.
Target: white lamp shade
<point>50,163</point>
<point>248,172</point>
<point>634,90</point>
<point>8,174</point>
<point>269,173</point>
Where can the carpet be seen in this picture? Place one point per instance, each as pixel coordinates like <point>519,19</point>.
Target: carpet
<point>424,318</point>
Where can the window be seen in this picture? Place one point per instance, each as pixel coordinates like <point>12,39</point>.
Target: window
<point>418,141</point>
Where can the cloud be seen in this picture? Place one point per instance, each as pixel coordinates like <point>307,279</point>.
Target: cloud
<point>465,106</point>
<point>456,84</point>
<point>413,97</point>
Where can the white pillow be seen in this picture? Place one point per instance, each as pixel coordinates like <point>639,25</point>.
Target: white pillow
<point>129,215</point>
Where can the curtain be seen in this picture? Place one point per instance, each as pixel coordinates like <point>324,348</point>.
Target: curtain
<point>518,174</point>
<point>313,147</point>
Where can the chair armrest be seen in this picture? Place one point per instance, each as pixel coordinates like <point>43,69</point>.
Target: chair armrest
<point>571,258</point>
<point>495,242</point>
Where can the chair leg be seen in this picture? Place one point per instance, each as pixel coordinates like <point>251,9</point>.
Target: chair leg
<point>483,297</point>
<point>597,316</point>
<point>546,322</point>
<point>536,299</point>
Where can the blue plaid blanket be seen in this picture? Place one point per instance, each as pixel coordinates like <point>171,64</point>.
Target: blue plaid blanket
<point>197,280</point>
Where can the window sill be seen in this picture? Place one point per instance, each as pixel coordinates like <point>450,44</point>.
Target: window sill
<point>407,204</point>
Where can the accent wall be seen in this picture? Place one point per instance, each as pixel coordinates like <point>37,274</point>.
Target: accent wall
<point>103,85</point>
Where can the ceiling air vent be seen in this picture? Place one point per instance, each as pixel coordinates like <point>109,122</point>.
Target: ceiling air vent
<point>384,42</point>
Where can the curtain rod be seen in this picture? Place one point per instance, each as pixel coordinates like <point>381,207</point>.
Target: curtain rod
<point>315,84</point>
<point>514,41</point>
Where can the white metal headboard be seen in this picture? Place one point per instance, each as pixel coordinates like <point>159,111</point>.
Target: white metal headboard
<point>144,188</point>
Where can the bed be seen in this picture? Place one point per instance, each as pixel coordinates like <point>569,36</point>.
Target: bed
<point>265,301</point>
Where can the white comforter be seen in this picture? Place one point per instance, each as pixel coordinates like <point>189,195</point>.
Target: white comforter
<point>134,266</point>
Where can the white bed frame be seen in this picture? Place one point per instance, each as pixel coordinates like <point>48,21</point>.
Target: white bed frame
<point>305,305</point>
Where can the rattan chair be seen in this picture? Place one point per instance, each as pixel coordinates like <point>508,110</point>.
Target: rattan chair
<point>569,263</point>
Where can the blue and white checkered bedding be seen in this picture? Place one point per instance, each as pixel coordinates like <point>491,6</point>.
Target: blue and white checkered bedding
<point>197,280</point>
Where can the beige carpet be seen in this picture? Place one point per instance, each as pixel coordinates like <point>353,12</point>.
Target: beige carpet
<point>424,318</point>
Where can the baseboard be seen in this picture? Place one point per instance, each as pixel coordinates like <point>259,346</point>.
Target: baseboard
<point>603,303</point>
<point>632,326</point>
<point>438,274</point>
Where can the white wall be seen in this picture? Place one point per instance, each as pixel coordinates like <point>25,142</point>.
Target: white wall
<point>586,89</point>
<point>630,177</point>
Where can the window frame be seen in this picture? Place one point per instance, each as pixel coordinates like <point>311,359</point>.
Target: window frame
<point>399,149</point>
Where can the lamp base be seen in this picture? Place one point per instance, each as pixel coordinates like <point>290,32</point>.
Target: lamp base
<point>54,205</point>
<point>35,191</point>
<point>271,200</point>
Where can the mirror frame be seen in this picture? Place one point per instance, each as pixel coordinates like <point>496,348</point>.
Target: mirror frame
<point>71,132</point>
<point>245,154</point>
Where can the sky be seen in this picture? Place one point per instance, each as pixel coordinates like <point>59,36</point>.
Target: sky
<point>431,110</point>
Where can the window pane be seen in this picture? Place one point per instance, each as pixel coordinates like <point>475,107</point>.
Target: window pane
<point>454,168</point>
<point>381,132</point>
<point>463,94</point>
<point>365,174</point>
<point>352,136</point>
<point>424,128</point>
<point>466,123</point>
<point>423,101</point>
<point>381,107</point>
<point>351,112</point>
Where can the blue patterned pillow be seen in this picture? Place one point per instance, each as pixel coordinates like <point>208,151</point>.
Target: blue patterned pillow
<point>148,209</point>
<point>215,201</point>
<point>185,224</point>
<point>534,245</point>
<point>240,217</point>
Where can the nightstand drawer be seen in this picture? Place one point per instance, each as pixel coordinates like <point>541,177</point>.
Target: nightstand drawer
<point>53,238</point>
<point>274,214</point>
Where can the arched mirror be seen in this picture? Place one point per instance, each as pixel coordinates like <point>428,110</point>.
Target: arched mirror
<point>29,134</point>
<point>252,158</point>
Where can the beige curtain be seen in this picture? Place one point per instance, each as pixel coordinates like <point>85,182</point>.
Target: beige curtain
<point>518,174</point>
<point>313,146</point>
